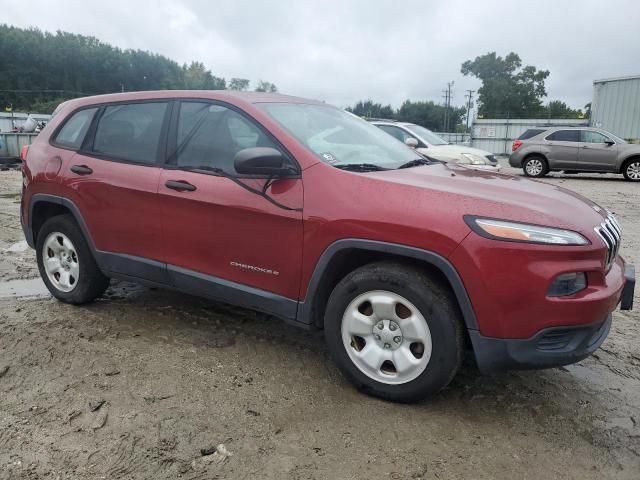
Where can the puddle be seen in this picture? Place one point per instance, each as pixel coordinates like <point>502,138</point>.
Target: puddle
<point>29,288</point>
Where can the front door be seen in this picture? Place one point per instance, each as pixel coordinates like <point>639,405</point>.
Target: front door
<point>220,238</point>
<point>595,154</point>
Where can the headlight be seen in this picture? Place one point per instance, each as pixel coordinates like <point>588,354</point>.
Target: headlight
<point>471,159</point>
<point>522,232</point>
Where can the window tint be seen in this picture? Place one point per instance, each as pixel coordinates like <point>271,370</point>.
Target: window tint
<point>72,133</point>
<point>532,132</point>
<point>395,132</point>
<point>211,135</point>
<point>589,136</point>
<point>131,132</point>
<point>565,136</point>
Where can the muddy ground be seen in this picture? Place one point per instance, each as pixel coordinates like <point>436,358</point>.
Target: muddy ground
<point>137,383</point>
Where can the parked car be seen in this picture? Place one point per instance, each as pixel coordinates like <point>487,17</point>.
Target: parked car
<point>539,151</point>
<point>305,212</point>
<point>428,143</point>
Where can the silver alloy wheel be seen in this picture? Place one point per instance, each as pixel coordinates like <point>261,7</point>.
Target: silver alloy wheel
<point>386,337</point>
<point>534,167</point>
<point>60,261</point>
<point>633,170</point>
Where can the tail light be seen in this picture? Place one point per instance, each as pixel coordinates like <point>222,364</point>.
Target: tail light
<point>516,145</point>
<point>23,152</point>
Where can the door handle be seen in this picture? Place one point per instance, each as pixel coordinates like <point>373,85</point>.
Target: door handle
<point>180,185</point>
<point>81,170</point>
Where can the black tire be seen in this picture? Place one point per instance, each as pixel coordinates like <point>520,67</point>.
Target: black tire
<point>535,160</point>
<point>435,303</point>
<point>91,282</point>
<point>626,169</point>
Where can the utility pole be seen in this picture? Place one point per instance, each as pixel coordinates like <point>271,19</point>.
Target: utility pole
<point>447,104</point>
<point>469,96</point>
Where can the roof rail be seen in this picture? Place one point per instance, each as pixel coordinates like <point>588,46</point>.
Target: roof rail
<point>374,119</point>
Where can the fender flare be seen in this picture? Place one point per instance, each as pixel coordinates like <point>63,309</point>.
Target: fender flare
<point>65,202</point>
<point>436,260</point>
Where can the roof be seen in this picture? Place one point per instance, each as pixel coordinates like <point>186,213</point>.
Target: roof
<point>617,79</point>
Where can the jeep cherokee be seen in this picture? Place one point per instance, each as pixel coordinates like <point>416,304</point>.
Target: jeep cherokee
<point>305,212</point>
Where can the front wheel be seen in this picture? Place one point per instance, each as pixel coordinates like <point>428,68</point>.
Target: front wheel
<point>631,170</point>
<point>66,263</point>
<point>535,167</point>
<point>394,332</point>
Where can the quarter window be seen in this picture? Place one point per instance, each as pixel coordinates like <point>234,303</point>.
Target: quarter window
<point>209,136</point>
<point>131,132</point>
<point>565,136</point>
<point>72,134</point>
<point>532,132</point>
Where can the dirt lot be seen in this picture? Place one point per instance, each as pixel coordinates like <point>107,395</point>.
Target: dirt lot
<point>179,374</point>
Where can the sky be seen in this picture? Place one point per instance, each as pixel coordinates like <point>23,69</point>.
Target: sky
<point>344,51</point>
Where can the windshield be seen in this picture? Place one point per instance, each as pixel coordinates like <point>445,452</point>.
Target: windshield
<point>426,135</point>
<point>338,137</point>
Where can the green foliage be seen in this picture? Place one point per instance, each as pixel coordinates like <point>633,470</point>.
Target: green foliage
<point>558,109</point>
<point>369,109</point>
<point>508,89</point>
<point>240,84</point>
<point>266,87</point>
<point>41,69</point>
<point>428,114</point>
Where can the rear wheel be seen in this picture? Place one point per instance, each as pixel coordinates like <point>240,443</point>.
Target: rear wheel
<point>631,170</point>
<point>535,166</point>
<point>394,332</point>
<point>66,263</point>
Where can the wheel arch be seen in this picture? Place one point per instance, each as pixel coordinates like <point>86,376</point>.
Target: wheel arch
<point>626,161</point>
<point>44,206</point>
<point>535,154</point>
<point>344,256</point>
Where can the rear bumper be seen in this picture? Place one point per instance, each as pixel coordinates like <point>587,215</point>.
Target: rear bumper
<point>515,160</point>
<point>551,347</point>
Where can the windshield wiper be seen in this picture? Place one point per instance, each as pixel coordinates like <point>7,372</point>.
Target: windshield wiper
<point>417,162</point>
<point>361,167</point>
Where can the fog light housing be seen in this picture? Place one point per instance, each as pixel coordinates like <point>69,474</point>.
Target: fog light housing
<point>567,284</point>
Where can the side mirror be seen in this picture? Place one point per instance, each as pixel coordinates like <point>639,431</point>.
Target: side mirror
<point>411,142</point>
<point>608,142</point>
<point>260,161</point>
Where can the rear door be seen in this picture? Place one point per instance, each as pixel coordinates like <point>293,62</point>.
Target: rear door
<point>595,154</point>
<point>212,226</point>
<point>563,148</point>
<point>113,180</point>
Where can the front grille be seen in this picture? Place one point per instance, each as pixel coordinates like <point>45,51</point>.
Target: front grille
<point>610,233</point>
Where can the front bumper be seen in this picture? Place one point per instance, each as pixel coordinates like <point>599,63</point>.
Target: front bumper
<point>550,347</point>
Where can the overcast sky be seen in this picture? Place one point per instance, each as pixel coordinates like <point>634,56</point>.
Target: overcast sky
<point>341,50</point>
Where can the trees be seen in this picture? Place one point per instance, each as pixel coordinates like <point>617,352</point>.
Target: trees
<point>41,69</point>
<point>263,86</point>
<point>508,89</point>
<point>240,84</point>
<point>369,109</point>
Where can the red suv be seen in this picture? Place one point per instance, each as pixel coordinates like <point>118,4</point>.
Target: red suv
<point>303,211</point>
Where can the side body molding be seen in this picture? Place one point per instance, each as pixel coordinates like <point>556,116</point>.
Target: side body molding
<point>434,259</point>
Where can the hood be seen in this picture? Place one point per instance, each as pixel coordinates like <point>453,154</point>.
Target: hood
<point>452,152</point>
<point>467,191</point>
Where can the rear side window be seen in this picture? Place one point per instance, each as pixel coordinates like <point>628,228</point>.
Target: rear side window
<point>71,135</point>
<point>131,132</point>
<point>565,136</point>
<point>532,132</point>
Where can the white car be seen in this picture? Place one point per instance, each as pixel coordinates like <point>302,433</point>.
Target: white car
<point>428,143</point>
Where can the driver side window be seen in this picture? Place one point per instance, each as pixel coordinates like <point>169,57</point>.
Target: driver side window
<point>395,132</point>
<point>209,136</point>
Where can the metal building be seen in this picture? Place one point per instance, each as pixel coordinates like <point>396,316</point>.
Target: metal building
<point>616,106</point>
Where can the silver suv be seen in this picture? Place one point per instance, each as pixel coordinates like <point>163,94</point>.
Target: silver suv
<point>574,150</point>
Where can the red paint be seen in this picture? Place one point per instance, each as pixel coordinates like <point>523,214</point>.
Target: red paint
<point>129,209</point>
